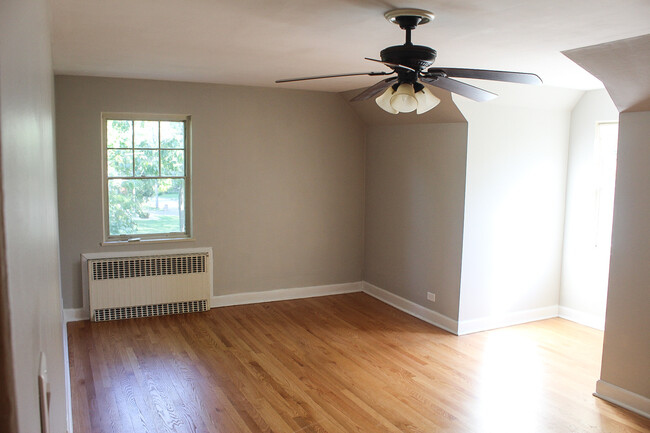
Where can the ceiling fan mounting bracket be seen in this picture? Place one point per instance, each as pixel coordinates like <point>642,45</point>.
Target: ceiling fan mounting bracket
<point>409,18</point>
<point>416,57</point>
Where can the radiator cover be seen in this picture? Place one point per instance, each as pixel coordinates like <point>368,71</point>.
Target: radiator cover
<point>152,285</point>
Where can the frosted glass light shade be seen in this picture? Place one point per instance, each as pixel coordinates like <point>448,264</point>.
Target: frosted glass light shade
<point>426,100</point>
<point>403,100</point>
<point>384,101</point>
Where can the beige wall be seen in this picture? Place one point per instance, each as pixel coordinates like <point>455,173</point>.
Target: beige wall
<point>30,209</point>
<point>585,267</point>
<point>514,206</point>
<point>277,179</point>
<point>626,349</point>
<point>415,182</point>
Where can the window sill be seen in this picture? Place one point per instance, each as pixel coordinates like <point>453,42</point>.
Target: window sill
<point>144,241</point>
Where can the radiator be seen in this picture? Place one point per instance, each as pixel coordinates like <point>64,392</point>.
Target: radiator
<point>154,285</point>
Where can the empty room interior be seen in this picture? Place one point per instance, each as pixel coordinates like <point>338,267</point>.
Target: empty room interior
<point>324,216</point>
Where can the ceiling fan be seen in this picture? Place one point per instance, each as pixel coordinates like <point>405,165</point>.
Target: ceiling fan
<point>406,92</point>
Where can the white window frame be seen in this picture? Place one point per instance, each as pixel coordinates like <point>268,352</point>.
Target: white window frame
<point>153,237</point>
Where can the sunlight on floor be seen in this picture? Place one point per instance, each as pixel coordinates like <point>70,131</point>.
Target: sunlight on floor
<point>511,385</point>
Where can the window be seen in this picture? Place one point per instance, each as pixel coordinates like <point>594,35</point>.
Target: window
<point>146,166</point>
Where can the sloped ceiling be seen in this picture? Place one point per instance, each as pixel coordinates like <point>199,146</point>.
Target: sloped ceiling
<point>623,66</point>
<point>254,42</point>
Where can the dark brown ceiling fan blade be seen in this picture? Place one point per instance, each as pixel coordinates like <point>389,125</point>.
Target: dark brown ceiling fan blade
<point>460,88</point>
<point>318,77</point>
<point>485,74</point>
<point>374,90</point>
<point>392,65</point>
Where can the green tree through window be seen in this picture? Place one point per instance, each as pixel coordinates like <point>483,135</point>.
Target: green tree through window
<point>146,177</point>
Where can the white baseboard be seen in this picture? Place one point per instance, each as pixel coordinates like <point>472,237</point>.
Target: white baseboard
<point>75,314</point>
<point>409,307</point>
<point>587,319</point>
<point>508,319</point>
<point>416,310</point>
<point>624,398</point>
<point>284,294</point>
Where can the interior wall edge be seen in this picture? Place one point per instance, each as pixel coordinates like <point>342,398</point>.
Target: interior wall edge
<point>68,382</point>
<point>623,398</point>
<point>414,201</point>
<point>410,307</point>
<point>592,320</point>
<point>7,392</point>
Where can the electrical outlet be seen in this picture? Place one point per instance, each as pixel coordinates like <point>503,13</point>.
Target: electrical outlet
<point>431,296</point>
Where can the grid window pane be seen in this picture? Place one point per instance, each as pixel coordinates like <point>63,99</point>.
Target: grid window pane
<point>122,206</point>
<point>146,179</point>
<point>172,162</point>
<point>119,134</point>
<point>164,207</point>
<point>172,135</point>
<point>146,134</point>
<point>146,163</point>
<point>146,206</point>
<point>120,162</point>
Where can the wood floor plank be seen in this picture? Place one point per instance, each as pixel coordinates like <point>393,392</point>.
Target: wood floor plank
<point>345,363</point>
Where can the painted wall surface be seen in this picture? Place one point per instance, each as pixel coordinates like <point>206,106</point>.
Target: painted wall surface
<point>277,179</point>
<point>514,205</point>
<point>585,267</point>
<point>415,182</point>
<point>30,208</point>
<point>626,348</point>
<point>623,66</point>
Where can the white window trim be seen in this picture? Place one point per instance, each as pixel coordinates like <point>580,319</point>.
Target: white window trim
<point>155,237</point>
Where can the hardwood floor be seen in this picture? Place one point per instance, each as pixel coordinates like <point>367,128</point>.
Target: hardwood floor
<point>345,363</point>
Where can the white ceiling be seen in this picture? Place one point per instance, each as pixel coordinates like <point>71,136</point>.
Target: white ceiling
<point>254,42</point>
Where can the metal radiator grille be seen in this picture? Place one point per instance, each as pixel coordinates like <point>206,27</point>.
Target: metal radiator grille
<point>148,266</point>
<point>118,313</point>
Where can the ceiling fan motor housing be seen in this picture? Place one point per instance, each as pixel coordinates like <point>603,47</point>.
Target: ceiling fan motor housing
<point>417,57</point>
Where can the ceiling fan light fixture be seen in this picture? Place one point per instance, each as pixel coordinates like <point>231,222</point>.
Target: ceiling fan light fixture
<point>403,100</point>
<point>384,101</point>
<point>426,100</point>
